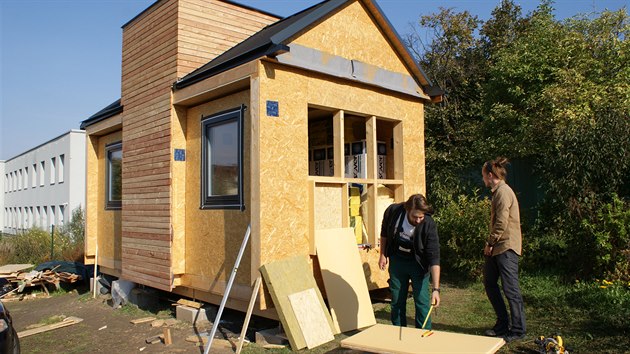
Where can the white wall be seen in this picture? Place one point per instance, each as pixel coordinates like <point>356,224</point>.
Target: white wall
<point>33,199</point>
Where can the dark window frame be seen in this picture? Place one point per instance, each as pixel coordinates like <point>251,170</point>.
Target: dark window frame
<point>109,203</point>
<point>230,201</point>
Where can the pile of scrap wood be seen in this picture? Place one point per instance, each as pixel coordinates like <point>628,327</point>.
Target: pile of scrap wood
<point>19,278</point>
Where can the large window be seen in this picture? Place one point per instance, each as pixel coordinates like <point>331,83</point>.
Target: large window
<point>113,175</point>
<point>222,160</point>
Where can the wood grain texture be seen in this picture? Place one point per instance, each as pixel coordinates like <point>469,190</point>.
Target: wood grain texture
<point>311,317</point>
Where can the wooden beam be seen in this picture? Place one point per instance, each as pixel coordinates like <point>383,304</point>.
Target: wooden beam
<point>339,139</point>
<point>372,153</point>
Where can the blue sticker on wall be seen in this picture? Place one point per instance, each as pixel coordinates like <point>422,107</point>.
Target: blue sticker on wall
<point>272,109</point>
<point>180,155</point>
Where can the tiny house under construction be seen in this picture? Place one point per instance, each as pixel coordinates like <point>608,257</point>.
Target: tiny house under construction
<point>229,117</point>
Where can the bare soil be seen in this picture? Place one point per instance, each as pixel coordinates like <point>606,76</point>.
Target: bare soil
<point>108,330</point>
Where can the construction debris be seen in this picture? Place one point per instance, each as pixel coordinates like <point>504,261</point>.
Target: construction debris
<point>68,321</point>
<point>42,276</point>
<point>143,320</point>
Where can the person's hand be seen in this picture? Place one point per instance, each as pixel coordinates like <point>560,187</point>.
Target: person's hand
<point>435,298</point>
<point>382,262</point>
<point>487,250</point>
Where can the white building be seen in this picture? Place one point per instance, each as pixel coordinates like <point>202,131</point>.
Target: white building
<point>42,186</point>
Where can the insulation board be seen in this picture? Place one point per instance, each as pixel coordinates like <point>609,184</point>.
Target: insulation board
<point>344,279</point>
<point>383,338</point>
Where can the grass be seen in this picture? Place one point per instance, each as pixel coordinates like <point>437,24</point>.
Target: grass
<point>551,306</point>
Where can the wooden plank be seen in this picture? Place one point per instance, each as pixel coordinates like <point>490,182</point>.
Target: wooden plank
<point>286,277</point>
<point>142,320</point>
<point>12,268</point>
<point>311,318</point>
<point>383,338</point>
<point>344,279</point>
<point>193,304</point>
<point>68,321</point>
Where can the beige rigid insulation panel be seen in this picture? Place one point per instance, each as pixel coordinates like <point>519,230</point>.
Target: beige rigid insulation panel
<point>286,277</point>
<point>344,279</point>
<point>383,338</point>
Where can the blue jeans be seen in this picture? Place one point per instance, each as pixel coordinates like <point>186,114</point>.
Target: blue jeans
<point>505,266</point>
<point>401,270</point>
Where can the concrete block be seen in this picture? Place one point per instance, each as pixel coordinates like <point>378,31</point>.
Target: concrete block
<point>194,316</point>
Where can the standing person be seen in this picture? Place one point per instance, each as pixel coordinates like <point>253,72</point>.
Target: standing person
<point>502,250</point>
<point>409,241</point>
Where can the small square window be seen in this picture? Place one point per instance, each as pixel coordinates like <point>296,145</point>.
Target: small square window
<point>222,160</point>
<point>113,175</point>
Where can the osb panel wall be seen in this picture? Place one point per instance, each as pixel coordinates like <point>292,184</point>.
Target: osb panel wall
<point>328,211</point>
<point>351,33</point>
<point>103,226</point>
<point>178,201</point>
<point>148,70</point>
<point>284,147</point>
<point>214,237</point>
<point>209,28</point>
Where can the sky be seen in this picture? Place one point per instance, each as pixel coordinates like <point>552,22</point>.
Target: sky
<point>60,59</point>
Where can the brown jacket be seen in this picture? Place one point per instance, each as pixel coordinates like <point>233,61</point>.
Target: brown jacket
<point>505,221</point>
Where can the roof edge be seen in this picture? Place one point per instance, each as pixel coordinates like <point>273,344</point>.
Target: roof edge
<point>111,110</point>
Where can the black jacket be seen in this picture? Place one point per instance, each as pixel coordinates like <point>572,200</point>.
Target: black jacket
<point>426,244</point>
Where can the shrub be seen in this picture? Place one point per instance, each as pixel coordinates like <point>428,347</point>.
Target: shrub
<point>463,226</point>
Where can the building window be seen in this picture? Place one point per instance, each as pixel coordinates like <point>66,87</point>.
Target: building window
<point>44,217</point>
<point>42,173</point>
<point>6,183</point>
<point>61,167</point>
<point>222,160</point>
<point>19,179</point>
<point>34,178</point>
<point>62,216</point>
<point>113,174</point>
<point>52,170</point>
<point>25,177</point>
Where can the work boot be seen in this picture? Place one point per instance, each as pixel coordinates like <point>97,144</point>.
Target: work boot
<point>511,337</point>
<point>494,333</point>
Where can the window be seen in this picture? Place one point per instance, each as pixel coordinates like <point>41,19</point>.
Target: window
<point>42,173</point>
<point>6,183</point>
<point>34,178</point>
<point>19,179</point>
<point>52,170</point>
<point>61,167</point>
<point>222,160</point>
<point>25,177</point>
<point>52,216</point>
<point>62,217</point>
<point>44,222</point>
<point>113,175</point>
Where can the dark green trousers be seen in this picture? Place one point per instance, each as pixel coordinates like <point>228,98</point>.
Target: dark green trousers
<point>401,270</point>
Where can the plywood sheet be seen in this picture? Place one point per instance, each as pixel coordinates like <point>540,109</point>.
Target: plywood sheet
<point>12,268</point>
<point>344,279</point>
<point>328,202</point>
<point>311,317</point>
<point>286,277</point>
<point>383,338</point>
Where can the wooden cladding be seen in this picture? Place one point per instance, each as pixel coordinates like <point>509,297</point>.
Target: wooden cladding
<point>209,28</point>
<point>167,41</point>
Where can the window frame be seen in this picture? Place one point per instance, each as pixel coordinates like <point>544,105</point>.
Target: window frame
<point>230,201</point>
<point>109,203</point>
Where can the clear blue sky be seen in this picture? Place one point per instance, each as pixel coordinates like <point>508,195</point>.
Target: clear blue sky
<point>60,59</point>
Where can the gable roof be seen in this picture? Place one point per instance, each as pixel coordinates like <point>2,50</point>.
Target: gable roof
<point>272,39</point>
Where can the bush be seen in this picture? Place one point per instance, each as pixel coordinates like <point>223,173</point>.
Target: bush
<point>33,246</point>
<point>463,227</point>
